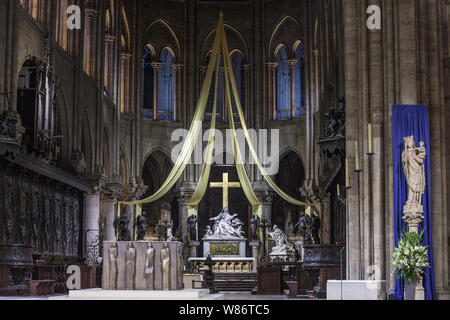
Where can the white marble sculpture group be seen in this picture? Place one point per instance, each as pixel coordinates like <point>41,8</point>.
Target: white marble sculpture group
<point>226,226</point>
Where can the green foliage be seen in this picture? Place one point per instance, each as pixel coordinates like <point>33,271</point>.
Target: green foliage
<point>411,257</point>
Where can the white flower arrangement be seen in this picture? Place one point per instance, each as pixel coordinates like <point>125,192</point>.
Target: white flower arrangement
<point>410,258</point>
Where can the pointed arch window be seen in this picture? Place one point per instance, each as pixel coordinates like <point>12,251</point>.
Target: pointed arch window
<point>237,61</point>
<point>220,93</point>
<point>283,91</point>
<point>147,83</point>
<point>166,86</point>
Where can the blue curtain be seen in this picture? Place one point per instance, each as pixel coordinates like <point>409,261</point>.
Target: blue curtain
<point>283,85</point>
<point>410,120</point>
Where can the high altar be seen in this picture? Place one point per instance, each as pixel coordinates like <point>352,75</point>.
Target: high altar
<point>226,244</point>
<point>142,265</point>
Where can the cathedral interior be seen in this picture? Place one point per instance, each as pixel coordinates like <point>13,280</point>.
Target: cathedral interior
<point>88,116</point>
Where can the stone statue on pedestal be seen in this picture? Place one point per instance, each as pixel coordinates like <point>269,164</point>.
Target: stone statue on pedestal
<point>192,228</point>
<point>149,266</point>
<point>315,228</point>
<point>121,227</point>
<point>302,227</point>
<point>141,223</point>
<point>254,226</point>
<point>413,159</point>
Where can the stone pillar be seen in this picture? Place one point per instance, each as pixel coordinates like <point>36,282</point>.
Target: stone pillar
<point>183,196</point>
<point>255,250</point>
<point>130,211</point>
<point>91,218</point>
<point>109,64</point>
<point>90,32</point>
<point>177,100</point>
<point>271,87</point>
<point>156,66</point>
<point>292,64</point>
<point>125,82</point>
<point>246,102</point>
<point>193,249</point>
<point>109,206</point>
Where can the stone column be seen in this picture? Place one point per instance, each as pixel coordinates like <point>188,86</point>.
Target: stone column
<point>177,91</point>
<point>109,64</point>
<point>156,66</point>
<point>109,212</point>
<point>255,250</point>
<point>271,86</point>
<point>125,82</point>
<point>183,196</point>
<point>130,211</point>
<point>91,218</point>
<point>90,32</point>
<point>292,64</point>
<point>246,102</point>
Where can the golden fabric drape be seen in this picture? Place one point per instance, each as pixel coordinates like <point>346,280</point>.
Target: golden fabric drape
<point>206,168</point>
<point>220,49</point>
<point>196,126</point>
<point>229,71</point>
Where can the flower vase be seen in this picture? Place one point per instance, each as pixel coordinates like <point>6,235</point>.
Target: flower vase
<point>410,289</point>
<point>414,289</point>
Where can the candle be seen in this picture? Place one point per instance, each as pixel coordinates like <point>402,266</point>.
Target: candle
<point>338,191</point>
<point>370,138</point>
<point>347,175</point>
<point>357,156</point>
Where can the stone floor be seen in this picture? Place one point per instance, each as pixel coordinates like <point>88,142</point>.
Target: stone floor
<point>222,296</point>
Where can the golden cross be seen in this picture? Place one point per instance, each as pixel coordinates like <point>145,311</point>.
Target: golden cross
<point>225,185</point>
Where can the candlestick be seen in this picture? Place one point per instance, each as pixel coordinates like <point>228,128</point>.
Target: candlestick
<point>338,190</point>
<point>358,167</point>
<point>347,174</point>
<point>369,129</point>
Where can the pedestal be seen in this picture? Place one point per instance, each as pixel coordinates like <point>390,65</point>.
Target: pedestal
<point>255,248</point>
<point>193,249</point>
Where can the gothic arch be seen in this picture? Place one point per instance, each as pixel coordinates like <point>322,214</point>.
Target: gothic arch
<point>289,178</point>
<point>164,151</point>
<point>161,35</point>
<point>125,32</point>
<point>287,31</point>
<point>236,41</point>
<point>155,170</point>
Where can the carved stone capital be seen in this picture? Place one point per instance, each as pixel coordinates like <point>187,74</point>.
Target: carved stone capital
<point>98,182</point>
<point>184,195</point>
<point>156,65</point>
<point>112,191</point>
